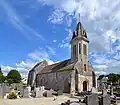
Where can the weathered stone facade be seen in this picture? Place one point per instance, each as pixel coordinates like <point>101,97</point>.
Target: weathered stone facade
<point>72,75</point>
<point>32,73</point>
<point>57,80</point>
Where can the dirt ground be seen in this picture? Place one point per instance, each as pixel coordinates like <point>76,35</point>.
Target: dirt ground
<point>36,101</point>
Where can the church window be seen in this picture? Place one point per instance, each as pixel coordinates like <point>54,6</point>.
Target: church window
<point>74,50</point>
<point>79,48</point>
<point>85,69</point>
<point>84,49</point>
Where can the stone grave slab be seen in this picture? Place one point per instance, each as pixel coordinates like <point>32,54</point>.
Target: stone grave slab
<point>21,92</point>
<point>29,88</point>
<point>42,88</point>
<point>94,90</point>
<point>1,91</point>
<point>49,93</point>
<point>60,92</point>
<point>38,93</point>
<point>26,93</point>
<point>106,100</point>
<point>104,92</point>
<point>92,99</point>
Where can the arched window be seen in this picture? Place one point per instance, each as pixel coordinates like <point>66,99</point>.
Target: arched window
<point>85,69</point>
<point>84,49</point>
<point>74,50</point>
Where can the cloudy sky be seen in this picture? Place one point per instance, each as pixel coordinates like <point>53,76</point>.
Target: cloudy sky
<point>33,30</point>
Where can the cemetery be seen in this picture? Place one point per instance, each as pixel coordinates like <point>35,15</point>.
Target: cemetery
<point>103,95</point>
<point>89,98</point>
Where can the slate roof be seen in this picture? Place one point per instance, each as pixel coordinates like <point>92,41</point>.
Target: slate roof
<point>63,65</point>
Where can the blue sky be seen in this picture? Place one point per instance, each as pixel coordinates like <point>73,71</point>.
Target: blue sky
<point>33,30</point>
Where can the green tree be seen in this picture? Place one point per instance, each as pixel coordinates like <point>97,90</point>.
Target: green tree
<point>2,78</point>
<point>100,77</point>
<point>113,78</point>
<point>13,77</point>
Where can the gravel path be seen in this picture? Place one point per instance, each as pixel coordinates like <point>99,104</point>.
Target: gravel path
<point>36,101</point>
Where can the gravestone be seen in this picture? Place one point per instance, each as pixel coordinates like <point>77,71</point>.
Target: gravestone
<point>106,100</point>
<point>1,91</point>
<point>7,89</point>
<point>111,91</point>
<point>26,93</point>
<point>42,88</point>
<point>94,90</point>
<point>21,92</point>
<point>104,92</point>
<point>60,92</point>
<point>53,92</point>
<point>29,89</point>
<point>38,93</point>
<point>49,93</point>
<point>109,86</point>
<point>4,89</point>
<point>92,99</point>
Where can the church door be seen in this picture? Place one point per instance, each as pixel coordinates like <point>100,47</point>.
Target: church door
<point>85,86</point>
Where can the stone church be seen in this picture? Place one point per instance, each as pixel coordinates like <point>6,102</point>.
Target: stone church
<point>72,75</point>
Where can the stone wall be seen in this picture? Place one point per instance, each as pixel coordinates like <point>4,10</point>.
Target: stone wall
<point>32,74</point>
<point>56,80</point>
<point>63,81</point>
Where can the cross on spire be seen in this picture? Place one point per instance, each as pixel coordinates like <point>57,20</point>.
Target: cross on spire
<point>78,18</point>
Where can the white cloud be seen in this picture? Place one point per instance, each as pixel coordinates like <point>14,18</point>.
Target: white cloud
<point>16,20</point>
<point>37,55</point>
<point>42,53</point>
<point>98,16</point>
<point>23,67</point>
<point>57,17</point>
<point>66,42</point>
<point>54,41</point>
<point>33,58</point>
<point>105,63</point>
<point>51,50</point>
<point>101,20</point>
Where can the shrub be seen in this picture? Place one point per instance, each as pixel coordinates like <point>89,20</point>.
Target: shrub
<point>12,95</point>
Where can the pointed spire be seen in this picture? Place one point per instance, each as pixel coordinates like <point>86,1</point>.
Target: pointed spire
<point>79,31</point>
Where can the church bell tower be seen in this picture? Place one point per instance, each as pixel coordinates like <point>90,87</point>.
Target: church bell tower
<point>79,46</point>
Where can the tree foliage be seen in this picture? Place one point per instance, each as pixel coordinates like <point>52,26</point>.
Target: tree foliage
<point>100,77</point>
<point>112,78</point>
<point>2,78</point>
<point>13,77</point>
